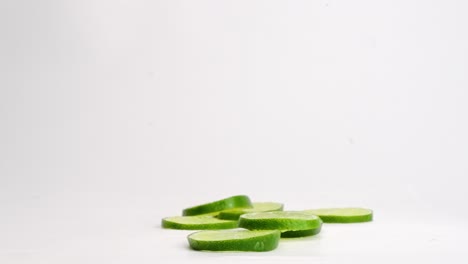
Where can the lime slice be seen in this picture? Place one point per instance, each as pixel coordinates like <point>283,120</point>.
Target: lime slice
<point>234,214</point>
<point>238,201</point>
<point>234,240</point>
<point>301,233</point>
<point>343,215</point>
<point>288,222</point>
<point>198,222</point>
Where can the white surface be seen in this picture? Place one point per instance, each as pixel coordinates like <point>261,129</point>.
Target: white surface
<point>115,114</point>
<point>117,238</point>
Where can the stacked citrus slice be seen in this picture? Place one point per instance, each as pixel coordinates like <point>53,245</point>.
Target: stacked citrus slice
<point>254,226</point>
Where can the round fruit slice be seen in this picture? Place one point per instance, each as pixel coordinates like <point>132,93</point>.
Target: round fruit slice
<point>235,240</point>
<point>343,215</point>
<point>290,223</point>
<point>301,233</point>
<point>234,214</point>
<point>199,222</point>
<point>238,201</point>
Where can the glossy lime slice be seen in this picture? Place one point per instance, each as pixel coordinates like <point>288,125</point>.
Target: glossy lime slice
<point>234,214</point>
<point>290,223</point>
<point>234,240</point>
<point>343,215</point>
<point>199,222</point>
<point>238,201</point>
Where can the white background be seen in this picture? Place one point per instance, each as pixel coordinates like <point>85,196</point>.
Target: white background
<point>115,114</point>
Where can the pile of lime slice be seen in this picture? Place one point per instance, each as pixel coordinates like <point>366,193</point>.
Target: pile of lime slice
<point>237,224</point>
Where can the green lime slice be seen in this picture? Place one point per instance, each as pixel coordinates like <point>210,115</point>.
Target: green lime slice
<point>288,222</point>
<point>301,233</point>
<point>234,214</point>
<point>234,240</point>
<point>238,201</point>
<point>198,222</point>
<point>343,215</point>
